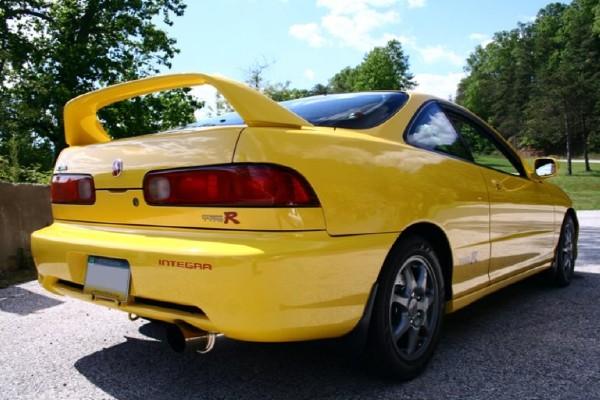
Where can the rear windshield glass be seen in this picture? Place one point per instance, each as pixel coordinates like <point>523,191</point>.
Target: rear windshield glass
<point>349,110</point>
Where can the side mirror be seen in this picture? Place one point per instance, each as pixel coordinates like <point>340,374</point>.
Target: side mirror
<point>545,167</point>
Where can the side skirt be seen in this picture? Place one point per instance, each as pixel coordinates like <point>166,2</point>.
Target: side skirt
<point>463,301</point>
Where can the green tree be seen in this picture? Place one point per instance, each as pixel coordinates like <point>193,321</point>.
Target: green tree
<point>344,81</point>
<point>53,51</point>
<point>383,68</point>
<point>539,84</point>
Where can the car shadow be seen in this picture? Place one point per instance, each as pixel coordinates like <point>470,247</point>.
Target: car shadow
<point>513,341</point>
<point>16,300</point>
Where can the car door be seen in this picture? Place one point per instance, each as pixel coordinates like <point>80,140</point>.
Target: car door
<point>465,214</point>
<point>521,215</point>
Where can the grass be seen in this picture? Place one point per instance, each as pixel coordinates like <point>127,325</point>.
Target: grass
<point>583,187</point>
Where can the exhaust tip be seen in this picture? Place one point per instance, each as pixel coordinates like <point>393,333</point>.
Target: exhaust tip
<point>186,338</point>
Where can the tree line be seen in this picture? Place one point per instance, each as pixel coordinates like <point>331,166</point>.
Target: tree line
<point>539,84</point>
<point>382,68</point>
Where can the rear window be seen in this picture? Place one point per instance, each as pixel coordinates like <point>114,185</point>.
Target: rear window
<point>348,110</point>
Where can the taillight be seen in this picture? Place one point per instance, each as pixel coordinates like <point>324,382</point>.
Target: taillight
<point>73,189</point>
<point>241,185</point>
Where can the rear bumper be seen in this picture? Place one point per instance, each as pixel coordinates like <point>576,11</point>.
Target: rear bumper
<point>262,286</point>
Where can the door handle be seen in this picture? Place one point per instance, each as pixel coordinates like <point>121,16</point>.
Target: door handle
<point>497,184</point>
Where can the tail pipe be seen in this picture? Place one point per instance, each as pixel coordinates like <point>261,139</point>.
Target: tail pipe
<point>187,338</point>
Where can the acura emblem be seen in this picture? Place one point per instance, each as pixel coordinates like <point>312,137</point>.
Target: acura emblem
<point>117,167</point>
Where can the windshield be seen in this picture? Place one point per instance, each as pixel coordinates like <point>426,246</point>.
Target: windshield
<point>348,110</point>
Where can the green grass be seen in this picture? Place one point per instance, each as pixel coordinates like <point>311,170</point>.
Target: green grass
<point>583,187</point>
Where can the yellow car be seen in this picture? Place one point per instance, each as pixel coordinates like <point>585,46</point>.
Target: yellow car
<point>367,213</point>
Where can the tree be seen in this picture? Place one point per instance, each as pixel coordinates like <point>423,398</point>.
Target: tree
<point>53,51</point>
<point>255,74</point>
<point>344,81</point>
<point>280,91</point>
<point>383,68</point>
<point>539,84</point>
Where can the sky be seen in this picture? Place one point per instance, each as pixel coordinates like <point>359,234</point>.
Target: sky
<point>308,41</point>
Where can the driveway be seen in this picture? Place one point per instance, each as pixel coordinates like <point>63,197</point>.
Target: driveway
<point>528,341</point>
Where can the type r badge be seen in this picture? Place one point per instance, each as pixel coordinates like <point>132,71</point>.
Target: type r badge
<point>117,167</point>
<point>227,217</point>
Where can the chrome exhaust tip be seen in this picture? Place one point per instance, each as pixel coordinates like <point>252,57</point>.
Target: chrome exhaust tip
<point>187,338</point>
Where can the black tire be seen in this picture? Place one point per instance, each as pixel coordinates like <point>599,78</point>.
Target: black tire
<point>407,313</point>
<point>563,265</point>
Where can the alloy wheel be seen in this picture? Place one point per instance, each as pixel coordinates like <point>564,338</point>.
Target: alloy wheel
<point>413,307</point>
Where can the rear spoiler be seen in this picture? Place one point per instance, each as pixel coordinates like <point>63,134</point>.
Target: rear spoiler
<point>82,126</point>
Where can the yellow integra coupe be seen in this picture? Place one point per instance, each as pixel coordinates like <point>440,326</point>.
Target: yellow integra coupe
<point>366,213</point>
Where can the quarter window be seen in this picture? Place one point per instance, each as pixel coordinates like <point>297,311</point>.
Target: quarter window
<point>432,130</point>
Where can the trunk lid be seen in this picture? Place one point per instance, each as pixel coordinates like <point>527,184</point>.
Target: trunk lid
<point>120,199</point>
<point>140,154</point>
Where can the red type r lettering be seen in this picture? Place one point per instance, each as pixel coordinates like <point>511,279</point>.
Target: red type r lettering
<point>231,216</point>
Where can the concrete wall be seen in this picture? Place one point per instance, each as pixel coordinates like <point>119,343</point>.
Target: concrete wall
<point>24,208</point>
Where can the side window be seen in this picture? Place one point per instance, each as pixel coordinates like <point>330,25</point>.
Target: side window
<point>432,130</point>
<point>484,149</point>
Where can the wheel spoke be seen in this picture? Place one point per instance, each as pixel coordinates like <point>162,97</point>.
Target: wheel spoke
<point>409,277</point>
<point>402,327</point>
<point>426,303</point>
<point>422,281</point>
<point>413,340</point>
<point>567,264</point>
<point>399,280</point>
<point>402,300</point>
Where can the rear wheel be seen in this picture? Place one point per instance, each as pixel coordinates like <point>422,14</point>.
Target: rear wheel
<point>408,310</point>
<point>564,259</point>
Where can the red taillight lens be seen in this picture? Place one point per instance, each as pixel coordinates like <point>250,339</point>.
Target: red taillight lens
<point>73,189</point>
<point>242,185</point>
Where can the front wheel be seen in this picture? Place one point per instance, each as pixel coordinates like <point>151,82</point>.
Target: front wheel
<point>564,260</point>
<point>408,310</point>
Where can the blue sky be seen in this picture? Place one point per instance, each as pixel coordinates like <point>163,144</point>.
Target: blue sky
<point>307,41</point>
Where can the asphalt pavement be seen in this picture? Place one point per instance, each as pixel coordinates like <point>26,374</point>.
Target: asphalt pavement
<point>528,341</point>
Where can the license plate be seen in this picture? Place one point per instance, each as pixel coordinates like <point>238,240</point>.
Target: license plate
<point>107,278</point>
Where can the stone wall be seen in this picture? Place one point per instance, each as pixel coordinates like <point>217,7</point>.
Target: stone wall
<point>24,208</point>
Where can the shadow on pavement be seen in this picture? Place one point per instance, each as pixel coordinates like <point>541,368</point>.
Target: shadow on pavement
<point>527,341</point>
<point>21,301</point>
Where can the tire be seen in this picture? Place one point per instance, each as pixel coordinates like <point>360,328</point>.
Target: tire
<point>563,265</point>
<point>408,310</point>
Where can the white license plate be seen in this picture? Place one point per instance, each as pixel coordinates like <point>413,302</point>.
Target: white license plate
<point>107,278</point>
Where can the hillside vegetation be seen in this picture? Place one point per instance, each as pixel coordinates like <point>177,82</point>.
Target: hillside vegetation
<point>539,84</point>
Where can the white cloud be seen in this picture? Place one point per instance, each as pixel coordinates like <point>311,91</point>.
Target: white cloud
<point>311,33</point>
<point>481,38</point>
<point>416,3</point>
<point>439,85</point>
<point>435,54</point>
<point>353,6</point>
<point>309,74</point>
<point>350,23</point>
<point>361,24</point>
